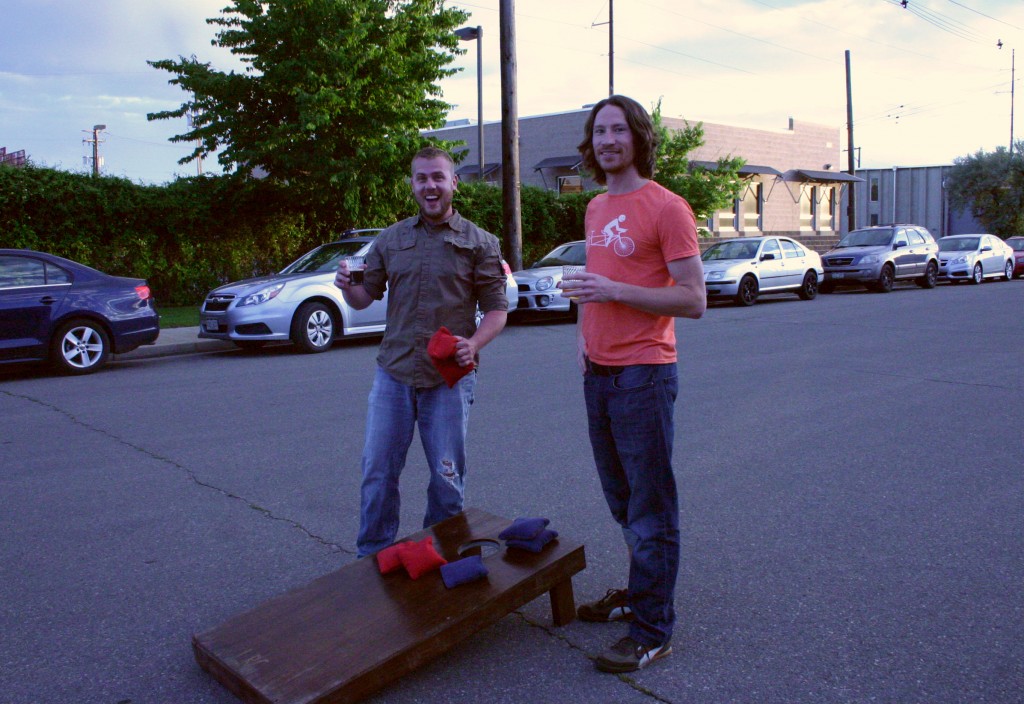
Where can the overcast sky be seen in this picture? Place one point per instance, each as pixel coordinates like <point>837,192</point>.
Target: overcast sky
<point>929,81</point>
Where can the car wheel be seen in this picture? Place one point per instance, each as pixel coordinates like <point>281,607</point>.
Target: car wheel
<point>977,275</point>
<point>885,279</point>
<point>79,347</point>
<point>747,293</point>
<point>251,345</point>
<point>1008,271</point>
<point>931,276</point>
<point>809,290</point>
<point>313,327</point>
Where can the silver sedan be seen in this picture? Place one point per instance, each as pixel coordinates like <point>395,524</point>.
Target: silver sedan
<point>538,285</point>
<point>300,303</point>
<point>974,258</point>
<point>744,268</point>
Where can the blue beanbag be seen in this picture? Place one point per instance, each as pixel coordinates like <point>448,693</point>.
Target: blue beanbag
<point>524,529</point>
<point>461,571</point>
<point>536,544</point>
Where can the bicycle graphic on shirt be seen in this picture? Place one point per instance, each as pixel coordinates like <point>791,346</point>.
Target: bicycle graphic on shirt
<point>614,235</point>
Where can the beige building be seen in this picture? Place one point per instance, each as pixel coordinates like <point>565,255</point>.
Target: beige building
<point>793,185</point>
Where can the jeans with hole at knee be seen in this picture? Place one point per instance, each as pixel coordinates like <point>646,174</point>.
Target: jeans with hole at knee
<point>394,410</point>
<point>631,431</point>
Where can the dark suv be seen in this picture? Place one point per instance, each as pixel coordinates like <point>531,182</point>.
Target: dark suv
<point>877,257</point>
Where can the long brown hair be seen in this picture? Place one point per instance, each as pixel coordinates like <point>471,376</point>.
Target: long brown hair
<point>645,138</point>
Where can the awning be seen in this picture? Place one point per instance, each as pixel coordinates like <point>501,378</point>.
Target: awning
<point>555,162</point>
<point>474,169</point>
<point>745,170</point>
<point>827,176</point>
<point>752,169</point>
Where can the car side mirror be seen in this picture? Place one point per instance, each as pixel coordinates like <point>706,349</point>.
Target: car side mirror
<point>899,245</point>
<point>987,248</point>
<point>765,257</point>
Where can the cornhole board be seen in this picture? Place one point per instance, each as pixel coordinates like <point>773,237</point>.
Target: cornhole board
<point>347,634</point>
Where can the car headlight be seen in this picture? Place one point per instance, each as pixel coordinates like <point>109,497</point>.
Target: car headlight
<point>714,275</point>
<point>544,283</point>
<point>959,259</point>
<point>262,296</point>
<point>869,259</point>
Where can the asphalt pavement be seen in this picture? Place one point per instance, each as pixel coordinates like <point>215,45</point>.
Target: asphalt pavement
<point>849,481</point>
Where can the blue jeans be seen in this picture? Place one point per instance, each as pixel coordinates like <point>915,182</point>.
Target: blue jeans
<point>394,410</point>
<point>631,431</point>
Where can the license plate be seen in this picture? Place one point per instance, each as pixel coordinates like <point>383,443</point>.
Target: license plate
<point>838,275</point>
<point>211,325</point>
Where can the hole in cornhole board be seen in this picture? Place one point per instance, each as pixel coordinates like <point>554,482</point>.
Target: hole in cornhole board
<point>484,548</point>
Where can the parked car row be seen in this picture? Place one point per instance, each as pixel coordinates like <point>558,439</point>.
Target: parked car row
<point>742,269</point>
<point>75,317</point>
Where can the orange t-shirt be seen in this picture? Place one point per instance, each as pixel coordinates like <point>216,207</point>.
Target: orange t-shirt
<point>630,237</point>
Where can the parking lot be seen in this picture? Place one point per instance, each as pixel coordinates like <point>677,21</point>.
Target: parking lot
<point>849,468</point>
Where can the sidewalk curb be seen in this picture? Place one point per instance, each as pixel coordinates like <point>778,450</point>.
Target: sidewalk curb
<point>175,341</point>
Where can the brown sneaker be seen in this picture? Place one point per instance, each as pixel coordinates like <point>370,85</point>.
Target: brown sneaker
<point>629,656</point>
<point>613,606</point>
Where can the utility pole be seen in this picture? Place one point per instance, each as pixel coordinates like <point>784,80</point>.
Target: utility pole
<point>611,45</point>
<point>1012,87</point>
<point>851,200</point>
<point>511,211</point>
<point>95,141</point>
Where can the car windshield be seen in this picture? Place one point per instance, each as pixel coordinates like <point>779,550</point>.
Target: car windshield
<point>1018,245</point>
<point>730,250</point>
<point>574,253</point>
<point>958,244</point>
<point>324,258</point>
<point>866,238</point>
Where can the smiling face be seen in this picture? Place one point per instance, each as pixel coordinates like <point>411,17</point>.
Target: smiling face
<point>433,185</point>
<point>613,141</point>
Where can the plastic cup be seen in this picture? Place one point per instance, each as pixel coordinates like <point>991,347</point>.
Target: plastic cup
<point>356,267</point>
<point>569,272</point>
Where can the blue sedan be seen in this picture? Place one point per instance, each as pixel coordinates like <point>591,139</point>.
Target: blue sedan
<point>69,314</point>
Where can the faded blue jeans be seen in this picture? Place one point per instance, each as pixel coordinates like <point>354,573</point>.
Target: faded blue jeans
<point>630,418</point>
<point>394,410</point>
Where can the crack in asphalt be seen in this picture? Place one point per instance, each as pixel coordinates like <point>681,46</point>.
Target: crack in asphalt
<point>625,679</point>
<point>192,476</point>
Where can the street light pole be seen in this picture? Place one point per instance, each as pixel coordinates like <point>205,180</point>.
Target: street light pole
<point>467,34</point>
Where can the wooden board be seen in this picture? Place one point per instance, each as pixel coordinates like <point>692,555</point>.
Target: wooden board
<point>349,633</point>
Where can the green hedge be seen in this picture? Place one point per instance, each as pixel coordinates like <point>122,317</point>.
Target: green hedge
<point>196,233</point>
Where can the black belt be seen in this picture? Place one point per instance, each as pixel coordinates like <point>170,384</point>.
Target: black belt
<point>603,370</point>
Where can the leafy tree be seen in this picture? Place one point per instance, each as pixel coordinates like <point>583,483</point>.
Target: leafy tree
<point>991,186</point>
<point>706,190</point>
<point>331,101</point>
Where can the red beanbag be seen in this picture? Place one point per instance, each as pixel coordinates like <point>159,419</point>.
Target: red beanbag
<point>388,559</point>
<point>441,349</point>
<point>420,558</point>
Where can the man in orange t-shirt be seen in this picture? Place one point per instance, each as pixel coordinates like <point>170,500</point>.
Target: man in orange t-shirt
<point>643,271</point>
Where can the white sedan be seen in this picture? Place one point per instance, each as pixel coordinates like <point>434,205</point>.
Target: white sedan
<point>744,268</point>
<point>974,258</point>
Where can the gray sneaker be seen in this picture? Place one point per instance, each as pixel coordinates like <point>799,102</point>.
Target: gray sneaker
<point>613,606</point>
<point>629,656</point>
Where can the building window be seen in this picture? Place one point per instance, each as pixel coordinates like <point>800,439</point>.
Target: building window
<point>874,218</point>
<point>825,208</point>
<point>874,189</point>
<point>570,184</point>
<point>808,199</point>
<point>751,208</point>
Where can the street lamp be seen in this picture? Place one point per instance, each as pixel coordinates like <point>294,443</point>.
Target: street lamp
<point>468,34</point>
